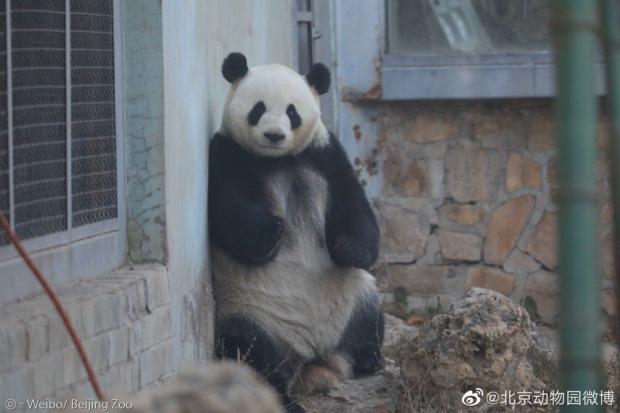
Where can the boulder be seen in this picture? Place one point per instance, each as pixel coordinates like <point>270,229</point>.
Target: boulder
<point>482,342</point>
<point>219,387</point>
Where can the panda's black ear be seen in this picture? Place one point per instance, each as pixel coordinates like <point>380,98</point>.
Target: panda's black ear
<point>234,67</point>
<point>319,78</point>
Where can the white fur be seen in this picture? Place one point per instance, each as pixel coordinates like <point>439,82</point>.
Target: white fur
<point>300,297</point>
<point>277,86</point>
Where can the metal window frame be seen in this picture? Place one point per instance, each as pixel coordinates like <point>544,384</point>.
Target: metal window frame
<point>75,252</point>
<point>510,75</point>
<point>378,75</point>
<point>301,18</point>
<point>321,26</point>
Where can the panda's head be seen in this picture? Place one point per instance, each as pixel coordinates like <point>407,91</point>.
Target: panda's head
<point>272,110</point>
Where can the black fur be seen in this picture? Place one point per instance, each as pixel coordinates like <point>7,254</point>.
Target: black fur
<point>241,339</point>
<point>256,113</point>
<point>242,225</point>
<point>351,229</point>
<point>319,78</point>
<point>239,219</point>
<point>363,338</point>
<point>293,116</point>
<point>234,67</point>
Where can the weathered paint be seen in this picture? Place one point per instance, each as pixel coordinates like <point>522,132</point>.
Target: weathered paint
<point>196,38</point>
<point>144,130</point>
<point>357,76</point>
<point>173,99</point>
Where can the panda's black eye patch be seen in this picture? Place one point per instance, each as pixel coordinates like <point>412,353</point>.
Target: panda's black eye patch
<point>255,114</point>
<point>293,116</point>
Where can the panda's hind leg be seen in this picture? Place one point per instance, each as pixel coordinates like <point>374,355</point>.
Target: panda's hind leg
<point>320,376</point>
<point>243,340</point>
<point>362,340</point>
<point>315,378</point>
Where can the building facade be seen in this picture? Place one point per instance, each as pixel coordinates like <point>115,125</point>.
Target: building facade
<point>136,280</point>
<point>104,170</point>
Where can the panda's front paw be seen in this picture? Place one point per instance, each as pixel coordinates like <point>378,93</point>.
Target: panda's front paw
<point>293,406</point>
<point>273,232</point>
<point>268,240</point>
<point>347,253</point>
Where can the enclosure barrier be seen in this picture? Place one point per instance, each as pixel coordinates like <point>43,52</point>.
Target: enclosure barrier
<point>611,24</point>
<point>576,118</point>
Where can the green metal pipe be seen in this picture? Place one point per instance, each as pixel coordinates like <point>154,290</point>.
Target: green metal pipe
<point>576,114</point>
<point>611,27</point>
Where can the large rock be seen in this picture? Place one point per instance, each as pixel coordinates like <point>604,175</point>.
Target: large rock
<point>414,179</point>
<point>466,173</point>
<point>507,223</point>
<point>543,244</point>
<point>491,278</point>
<point>402,176</point>
<point>522,173</point>
<point>542,288</point>
<point>495,129</point>
<point>482,342</point>
<point>404,233</point>
<point>607,255</point>
<point>417,279</point>
<point>520,262</point>
<point>392,171</point>
<point>553,178</point>
<point>458,246</point>
<point>462,214</point>
<point>431,127</point>
<point>603,136</point>
<point>540,133</point>
<point>609,303</point>
<point>396,333</point>
<point>607,213</point>
<point>219,387</point>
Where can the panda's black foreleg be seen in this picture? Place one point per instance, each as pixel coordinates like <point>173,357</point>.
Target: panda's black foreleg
<point>243,340</point>
<point>351,230</point>
<point>362,340</point>
<point>246,230</point>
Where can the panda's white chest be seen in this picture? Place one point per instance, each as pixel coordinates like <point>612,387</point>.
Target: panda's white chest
<point>300,196</point>
<point>301,296</point>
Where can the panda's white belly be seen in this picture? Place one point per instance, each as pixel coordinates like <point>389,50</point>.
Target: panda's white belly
<point>300,297</point>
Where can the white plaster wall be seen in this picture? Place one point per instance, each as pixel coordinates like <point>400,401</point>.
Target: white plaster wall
<point>197,35</point>
<point>144,130</point>
<point>260,29</point>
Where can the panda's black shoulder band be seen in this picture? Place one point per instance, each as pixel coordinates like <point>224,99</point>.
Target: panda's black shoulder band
<point>319,78</point>
<point>234,67</point>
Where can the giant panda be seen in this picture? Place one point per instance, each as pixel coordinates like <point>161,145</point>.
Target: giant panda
<point>292,236</point>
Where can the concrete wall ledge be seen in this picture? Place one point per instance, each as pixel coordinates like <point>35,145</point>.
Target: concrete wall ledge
<point>124,320</point>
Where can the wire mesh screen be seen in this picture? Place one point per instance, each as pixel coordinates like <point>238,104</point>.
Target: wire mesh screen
<point>4,136</point>
<point>93,144</point>
<point>39,116</point>
<point>40,176</point>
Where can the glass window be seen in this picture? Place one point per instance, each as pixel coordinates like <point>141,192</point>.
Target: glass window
<point>456,27</point>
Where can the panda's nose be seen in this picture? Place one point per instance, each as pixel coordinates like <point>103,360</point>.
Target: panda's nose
<point>274,137</point>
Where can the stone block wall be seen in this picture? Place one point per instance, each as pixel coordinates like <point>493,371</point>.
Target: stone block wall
<point>469,199</point>
<point>124,320</point>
